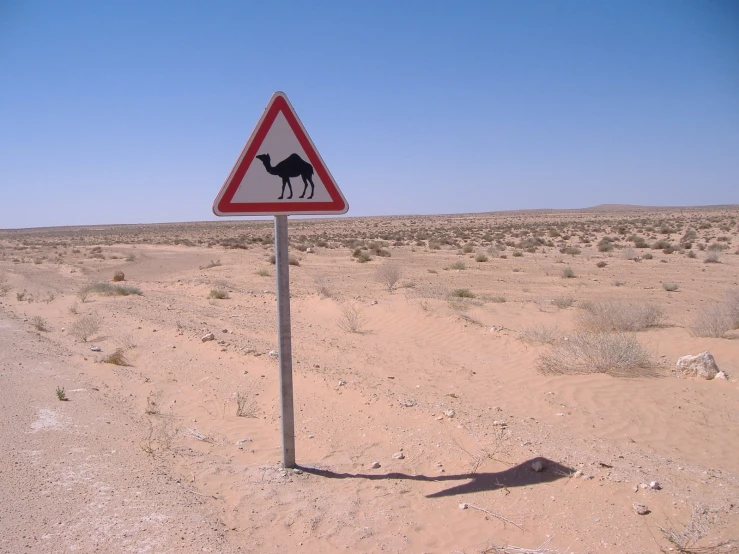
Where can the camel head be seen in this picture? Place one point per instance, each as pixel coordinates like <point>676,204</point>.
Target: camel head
<point>263,157</point>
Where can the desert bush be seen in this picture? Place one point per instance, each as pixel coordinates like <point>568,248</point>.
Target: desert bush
<point>363,257</point>
<point>618,354</point>
<point>119,276</point>
<point>293,260</point>
<point>618,315</point>
<point>106,289</point>
<point>647,256</point>
<point>272,259</point>
<point>732,306</point>
<point>571,250</point>
<point>389,274</point>
<point>715,320</point>
<point>323,287</point>
<point>352,319</point>
<point>462,293</point>
<point>458,266</point>
<point>468,248</point>
<point>61,394</point>
<point>481,257</point>
<point>563,302</point>
<point>517,254</point>
<point>601,264</point>
<point>545,334</point>
<point>568,273</point>
<point>497,299</point>
<point>211,264</point>
<point>40,323</point>
<point>692,254</point>
<point>263,272</point>
<point>118,357</point>
<point>85,327</point>
<point>713,258</point>
<point>670,287</point>
<point>218,293</point>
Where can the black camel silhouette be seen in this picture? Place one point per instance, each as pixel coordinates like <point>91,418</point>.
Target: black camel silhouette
<point>292,166</point>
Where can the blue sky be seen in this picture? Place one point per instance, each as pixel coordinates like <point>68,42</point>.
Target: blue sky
<point>134,112</point>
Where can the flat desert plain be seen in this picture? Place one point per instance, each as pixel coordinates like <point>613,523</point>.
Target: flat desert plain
<point>500,382</point>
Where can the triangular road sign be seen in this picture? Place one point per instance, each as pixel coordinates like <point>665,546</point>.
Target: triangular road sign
<point>279,171</point>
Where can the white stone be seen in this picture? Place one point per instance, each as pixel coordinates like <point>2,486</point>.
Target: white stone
<point>701,365</point>
<point>537,466</point>
<point>722,376</point>
<point>207,337</point>
<point>641,509</point>
<point>375,465</point>
<point>398,456</point>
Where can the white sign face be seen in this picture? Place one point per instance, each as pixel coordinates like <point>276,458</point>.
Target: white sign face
<point>279,171</point>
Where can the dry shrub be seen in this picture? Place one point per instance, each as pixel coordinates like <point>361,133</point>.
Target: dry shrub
<point>119,276</point>
<point>85,327</point>
<point>618,354</point>
<point>732,306</point>
<point>352,319</point>
<point>117,358</point>
<point>219,293</point>
<point>324,287</point>
<point>389,274</point>
<point>684,541</point>
<point>40,323</point>
<point>545,334</point>
<point>715,320</point>
<point>563,302</point>
<point>618,315</point>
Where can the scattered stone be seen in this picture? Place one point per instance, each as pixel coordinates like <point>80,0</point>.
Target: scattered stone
<point>641,509</point>
<point>636,488</point>
<point>298,471</point>
<point>342,383</point>
<point>463,506</point>
<point>643,486</point>
<point>588,477</point>
<point>577,474</point>
<point>449,413</point>
<point>273,353</point>
<point>722,375</point>
<point>398,456</point>
<point>537,466</point>
<point>207,337</point>
<point>96,349</point>
<point>560,414</point>
<point>439,418</point>
<point>407,403</point>
<point>655,486</point>
<point>243,441</point>
<point>701,365</point>
<point>374,302</point>
<point>375,465</point>
<point>309,251</point>
<point>499,423</point>
<point>224,331</point>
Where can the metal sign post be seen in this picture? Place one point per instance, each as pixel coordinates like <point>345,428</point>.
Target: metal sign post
<point>252,188</point>
<point>285,336</point>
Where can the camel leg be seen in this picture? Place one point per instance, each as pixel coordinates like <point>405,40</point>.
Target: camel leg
<point>312,188</point>
<point>305,189</point>
<point>286,182</point>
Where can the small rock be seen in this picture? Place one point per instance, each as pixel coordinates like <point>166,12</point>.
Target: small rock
<point>342,383</point>
<point>641,509</point>
<point>273,353</point>
<point>701,365</point>
<point>655,486</point>
<point>588,477</point>
<point>374,302</point>
<point>398,456</point>
<point>375,465</point>
<point>537,466</point>
<point>636,488</point>
<point>577,474</point>
<point>722,375</point>
<point>309,251</point>
<point>298,471</point>
<point>207,337</point>
<point>560,414</point>
<point>243,441</point>
<point>643,486</point>
<point>96,349</point>
<point>449,413</point>
<point>463,506</point>
<point>499,423</point>
<point>224,331</point>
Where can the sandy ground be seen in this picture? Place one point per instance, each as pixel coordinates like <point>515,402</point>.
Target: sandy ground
<point>152,456</point>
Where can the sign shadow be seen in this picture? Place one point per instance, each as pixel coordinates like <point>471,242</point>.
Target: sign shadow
<point>520,475</point>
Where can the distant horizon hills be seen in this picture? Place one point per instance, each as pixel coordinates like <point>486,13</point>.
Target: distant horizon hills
<point>598,208</point>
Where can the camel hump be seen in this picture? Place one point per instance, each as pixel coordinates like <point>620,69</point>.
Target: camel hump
<point>295,158</point>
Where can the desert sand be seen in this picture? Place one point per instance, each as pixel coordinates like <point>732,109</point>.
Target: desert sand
<point>430,416</point>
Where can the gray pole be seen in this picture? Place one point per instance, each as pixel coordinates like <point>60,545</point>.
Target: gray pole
<point>283,330</point>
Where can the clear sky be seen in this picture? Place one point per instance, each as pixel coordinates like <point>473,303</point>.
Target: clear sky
<point>135,111</point>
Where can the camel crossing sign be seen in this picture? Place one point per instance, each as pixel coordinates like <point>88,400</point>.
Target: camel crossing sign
<point>279,171</point>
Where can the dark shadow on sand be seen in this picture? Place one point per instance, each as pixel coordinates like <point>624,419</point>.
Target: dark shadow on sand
<point>520,475</point>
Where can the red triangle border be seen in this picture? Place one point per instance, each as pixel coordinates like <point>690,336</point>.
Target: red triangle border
<point>224,204</point>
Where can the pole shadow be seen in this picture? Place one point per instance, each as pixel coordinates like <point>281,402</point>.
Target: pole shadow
<point>521,475</point>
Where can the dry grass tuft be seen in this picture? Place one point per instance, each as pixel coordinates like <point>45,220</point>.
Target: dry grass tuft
<point>39,323</point>
<point>715,320</point>
<point>617,354</point>
<point>117,358</point>
<point>245,406</point>
<point>543,334</point>
<point>618,315</point>
<point>219,293</point>
<point>352,319</point>
<point>85,327</point>
<point>389,274</point>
